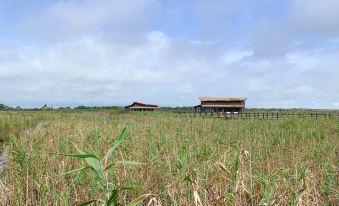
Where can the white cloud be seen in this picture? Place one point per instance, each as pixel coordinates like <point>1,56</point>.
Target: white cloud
<point>235,55</point>
<point>94,67</point>
<point>164,70</point>
<point>315,17</point>
<point>270,38</point>
<point>64,18</point>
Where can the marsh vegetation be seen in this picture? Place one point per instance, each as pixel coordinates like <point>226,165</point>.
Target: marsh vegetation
<point>163,158</point>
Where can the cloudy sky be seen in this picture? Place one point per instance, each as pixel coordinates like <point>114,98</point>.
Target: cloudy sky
<point>281,53</point>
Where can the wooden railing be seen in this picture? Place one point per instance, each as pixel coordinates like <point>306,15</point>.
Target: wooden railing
<point>259,115</point>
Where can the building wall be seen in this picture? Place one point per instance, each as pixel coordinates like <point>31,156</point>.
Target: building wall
<point>237,106</point>
<point>238,103</point>
<point>214,109</point>
<point>139,109</point>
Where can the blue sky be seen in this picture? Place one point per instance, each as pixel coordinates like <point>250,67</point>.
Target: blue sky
<point>282,53</point>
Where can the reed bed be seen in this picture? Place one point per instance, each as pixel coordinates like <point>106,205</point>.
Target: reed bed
<point>167,159</point>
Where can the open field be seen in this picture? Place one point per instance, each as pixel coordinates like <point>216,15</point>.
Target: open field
<point>167,159</point>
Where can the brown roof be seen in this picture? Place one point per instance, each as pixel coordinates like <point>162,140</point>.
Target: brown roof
<point>142,105</point>
<point>223,106</point>
<point>222,99</point>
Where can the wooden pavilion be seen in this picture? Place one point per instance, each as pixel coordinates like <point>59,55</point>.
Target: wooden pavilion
<point>221,104</point>
<point>137,106</point>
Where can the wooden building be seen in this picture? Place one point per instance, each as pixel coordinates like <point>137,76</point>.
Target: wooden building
<point>221,104</point>
<point>137,106</point>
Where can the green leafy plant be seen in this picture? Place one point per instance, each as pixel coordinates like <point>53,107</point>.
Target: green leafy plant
<point>99,166</point>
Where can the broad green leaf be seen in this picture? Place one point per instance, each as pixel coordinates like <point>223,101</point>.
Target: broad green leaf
<point>87,202</point>
<point>76,170</point>
<point>113,198</point>
<point>81,156</point>
<point>95,164</point>
<point>115,145</point>
<point>127,162</point>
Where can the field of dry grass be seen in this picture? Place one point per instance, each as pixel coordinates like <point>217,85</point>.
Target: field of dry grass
<point>166,159</point>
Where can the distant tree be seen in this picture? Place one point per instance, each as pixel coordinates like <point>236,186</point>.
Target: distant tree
<point>4,107</point>
<point>44,107</point>
<point>81,107</point>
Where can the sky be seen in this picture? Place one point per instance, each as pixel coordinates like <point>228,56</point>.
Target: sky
<point>278,54</point>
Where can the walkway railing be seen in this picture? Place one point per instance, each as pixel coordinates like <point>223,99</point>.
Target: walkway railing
<point>260,115</point>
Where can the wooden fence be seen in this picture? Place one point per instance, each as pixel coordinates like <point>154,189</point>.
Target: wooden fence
<point>260,115</point>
